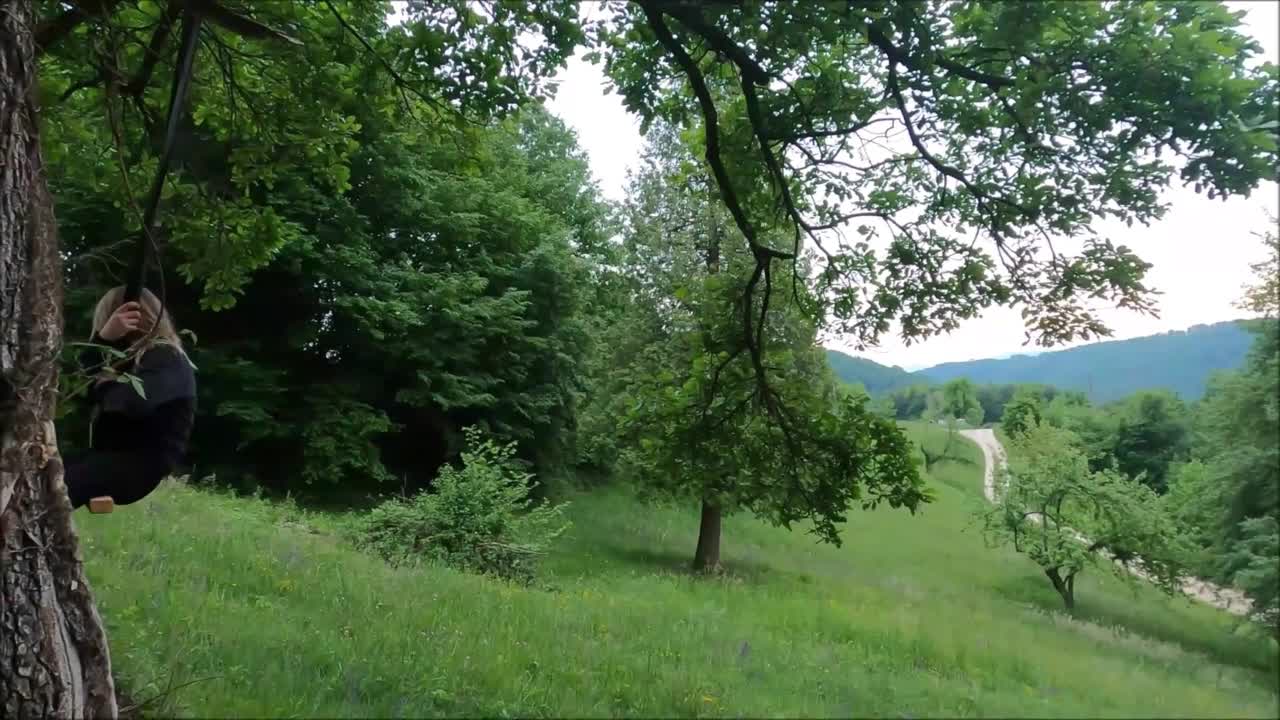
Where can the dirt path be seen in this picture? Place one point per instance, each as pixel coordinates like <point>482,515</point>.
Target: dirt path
<point>993,455</point>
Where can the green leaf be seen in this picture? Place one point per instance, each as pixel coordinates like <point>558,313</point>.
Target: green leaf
<point>136,383</point>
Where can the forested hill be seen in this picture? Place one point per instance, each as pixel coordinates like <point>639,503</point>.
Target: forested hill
<point>873,376</point>
<point>1180,360</point>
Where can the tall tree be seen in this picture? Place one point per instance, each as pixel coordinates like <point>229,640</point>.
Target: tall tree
<point>375,312</point>
<point>54,660</point>
<point>1023,412</point>
<point>1151,434</point>
<point>694,424</point>
<point>1228,499</point>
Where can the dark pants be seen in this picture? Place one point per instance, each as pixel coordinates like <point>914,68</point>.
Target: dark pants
<point>126,476</point>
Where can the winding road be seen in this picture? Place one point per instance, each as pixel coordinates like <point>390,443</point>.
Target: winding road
<point>993,454</point>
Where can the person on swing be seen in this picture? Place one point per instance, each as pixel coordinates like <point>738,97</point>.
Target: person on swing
<point>135,440</point>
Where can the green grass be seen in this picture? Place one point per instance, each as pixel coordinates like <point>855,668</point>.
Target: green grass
<point>269,611</point>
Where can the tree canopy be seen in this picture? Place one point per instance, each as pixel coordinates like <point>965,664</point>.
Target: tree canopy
<point>931,153</point>
<point>944,124</point>
<point>364,273</point>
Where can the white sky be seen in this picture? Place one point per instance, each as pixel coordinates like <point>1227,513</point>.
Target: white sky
<point>1200,251</point>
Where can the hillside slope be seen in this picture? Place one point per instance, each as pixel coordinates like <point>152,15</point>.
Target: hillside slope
<point>1181,361</point>
<point>873,376</point>
<point>271,614</point>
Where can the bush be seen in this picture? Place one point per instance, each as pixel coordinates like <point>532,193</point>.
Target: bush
<point>480,518</point>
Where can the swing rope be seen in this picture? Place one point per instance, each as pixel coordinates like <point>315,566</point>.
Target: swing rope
<point>147,247</point>
<point>147,250</point>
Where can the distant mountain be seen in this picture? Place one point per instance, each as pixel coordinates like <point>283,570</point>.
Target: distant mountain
<point>1179,360</point>
<point>876,378</point>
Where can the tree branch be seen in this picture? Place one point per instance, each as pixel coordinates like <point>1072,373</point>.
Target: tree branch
<point>403,85</point>
<point>817,134</point>
<point>50,32</point>
<point>237,23</point>
<point>88,82</point>
<point>159,37</point>
<point>751,74</point>
<point>711,119</point>
<point>691,17</point>
<point>895,55</point>
<point>763,254</point>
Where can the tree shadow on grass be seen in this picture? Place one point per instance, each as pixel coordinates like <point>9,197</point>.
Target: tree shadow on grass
<point>673,562</point>
<point>1133,612</point>
<point>956,484</point>
<point>935,462</point>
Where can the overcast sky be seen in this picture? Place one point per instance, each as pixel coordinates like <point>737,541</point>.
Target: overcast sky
<point>1200,251</point>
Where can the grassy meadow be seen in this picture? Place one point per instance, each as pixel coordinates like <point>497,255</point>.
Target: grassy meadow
<point>225,606</point>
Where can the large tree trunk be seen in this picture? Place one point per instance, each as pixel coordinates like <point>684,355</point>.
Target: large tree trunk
<point>53,651</point>
<point>707,557</point>
<point>1065,587</point>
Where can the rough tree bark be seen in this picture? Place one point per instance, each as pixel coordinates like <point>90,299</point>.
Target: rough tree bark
<point>53,651</point>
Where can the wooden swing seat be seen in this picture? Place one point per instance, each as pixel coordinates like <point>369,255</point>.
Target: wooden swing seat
<point>103,504</point>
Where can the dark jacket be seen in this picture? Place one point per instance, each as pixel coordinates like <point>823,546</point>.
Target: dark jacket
<point>159,424</point>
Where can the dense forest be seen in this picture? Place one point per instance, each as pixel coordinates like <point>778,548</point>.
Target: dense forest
<point>1181,362</point>
<point>404,295</point>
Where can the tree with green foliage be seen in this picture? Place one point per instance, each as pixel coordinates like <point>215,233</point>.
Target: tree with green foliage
<point>1141,436</point>
<point>694,423</point>
<point>380,309</point>
<point>1052,508</point>
<point>1262,297</point>
<point>884,407</point>
<point>995,398</point>
<point>1228,499</point>
<point>955,401</point>
<point>960,401</point>
<point>925,127</point>
<point>264,163</point>
<point>1151,433</point>
<point>1022,412</point>
<point>910,402</point>
<point>1094,427</point>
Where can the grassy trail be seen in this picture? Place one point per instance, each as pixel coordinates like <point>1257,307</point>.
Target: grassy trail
<point>269,610</point>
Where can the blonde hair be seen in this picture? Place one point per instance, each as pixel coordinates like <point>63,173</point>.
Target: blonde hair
<point>164,331</point>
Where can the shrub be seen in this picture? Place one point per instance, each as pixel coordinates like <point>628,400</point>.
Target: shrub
<point>479,518</point>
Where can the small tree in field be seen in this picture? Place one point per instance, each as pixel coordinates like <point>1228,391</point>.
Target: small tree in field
<point>956,401</point>
<point>1057,512</point>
